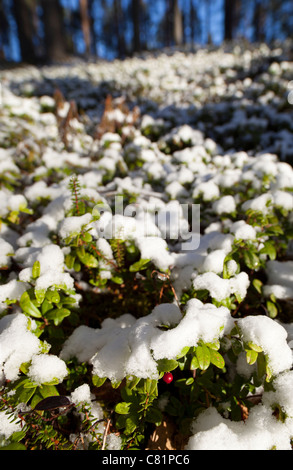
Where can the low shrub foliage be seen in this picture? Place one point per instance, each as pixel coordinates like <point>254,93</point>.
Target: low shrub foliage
<point>110,327</point>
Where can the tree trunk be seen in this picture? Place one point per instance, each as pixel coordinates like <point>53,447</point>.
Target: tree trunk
<point>119,26</point>
<point>23,11</point>
<point>177,24</point>
<point>54,30</point>
<point>135,13</point>
<point>229,19</point>
<point>85,25</point>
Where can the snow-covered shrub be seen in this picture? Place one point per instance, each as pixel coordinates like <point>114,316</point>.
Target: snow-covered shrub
<point>116,314</point>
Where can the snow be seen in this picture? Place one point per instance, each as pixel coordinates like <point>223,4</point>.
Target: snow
<point>155,249</point>
<point>132,347</point>
<point>225,204</point>
<point>261,431</point>
<point>73,225</point>
<point>7,426</point>
<point>220,288</point>
<point>45,368</point>
<point>243,231</point>
<point>18,344</point>
<point>192,144</point>
<point>280,279</point>
<point>271,337</point>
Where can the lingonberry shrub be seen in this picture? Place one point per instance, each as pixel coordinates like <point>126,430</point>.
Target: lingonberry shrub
<point>102,308</point>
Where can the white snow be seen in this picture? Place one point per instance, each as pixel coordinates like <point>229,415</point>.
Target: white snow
<point>18,344</point>
<point>45,368</point>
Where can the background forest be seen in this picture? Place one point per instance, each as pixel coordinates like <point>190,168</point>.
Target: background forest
<point>34,31</point>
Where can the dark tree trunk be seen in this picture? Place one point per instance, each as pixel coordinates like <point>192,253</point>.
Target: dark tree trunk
<point>135,12</point>
<point>23,11</point>
<point>119,27</point>
<point>85,25</point>
<point>229,19</point>
<point>55,42</point>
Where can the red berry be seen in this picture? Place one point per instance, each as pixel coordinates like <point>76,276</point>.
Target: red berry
<point>168,377</point>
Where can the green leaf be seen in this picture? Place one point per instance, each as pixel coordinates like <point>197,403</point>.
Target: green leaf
<point>269,249</point>
<point>150,386</point>
<point>57,315</point>
<point>183,352</point>
<point>131,424</point>
<point>117,279</point>
<point>166,365</point>
<point>46,306</point>
<point>217,359</point>
<point>52,295</point>
<point>23,395</point>
<point>194,363</point>
<point>257,284</point>
<point>189,381</point>
<point>251,356</point>
<point>98,381</point>
<point>269,373</point>
<point>272,309</point>
<point>251,259</point>
<point>36,270</point>
<point>69,261</point>
<point>122,408</point>
<point>14,446</point>
<point>87,237</point>
<point>153,415</point>
<point>254,346</point>
<point>40,295</point>
<point>139,265</point>
<point>48,391</point>
<point>86,258</point>
<point>203,356</point>
<point>132,382</point>
<point>28,307</point>
<point>261,365</point>
<point>215,345</point>
<point>236,346</point>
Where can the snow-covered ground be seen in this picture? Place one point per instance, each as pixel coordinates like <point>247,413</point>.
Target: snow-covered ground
<point>211,128</point>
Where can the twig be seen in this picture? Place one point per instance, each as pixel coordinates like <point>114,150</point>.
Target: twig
<point>106,433</point>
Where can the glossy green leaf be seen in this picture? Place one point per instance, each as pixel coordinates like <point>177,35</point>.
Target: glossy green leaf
<point>131,424</point>
<point>254,346</point>
<point>203,356</point>
<point>251,259</point>
<point>98,381</point>
<point>183,352</point>
<point>194,363</point>
<point>36,269</point>
<point>269,249</point>
<point>251,356</point>
<point>153,415</point>
<point>28,307</point>
<point>52,295</point>
<point>122,408</point>
<point>166,365</point>
<point>189,381</point>
<point>40,295</point>
<point>87,258</point>
<point>217,359</point>
<point>272,309</point>
<point>69,260</point>
<point>257,284</point>
<point>87,237</point>
<point>139,265</point>
<point>261,365</point>
<point>57,315</point>
<point>14,446</point>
